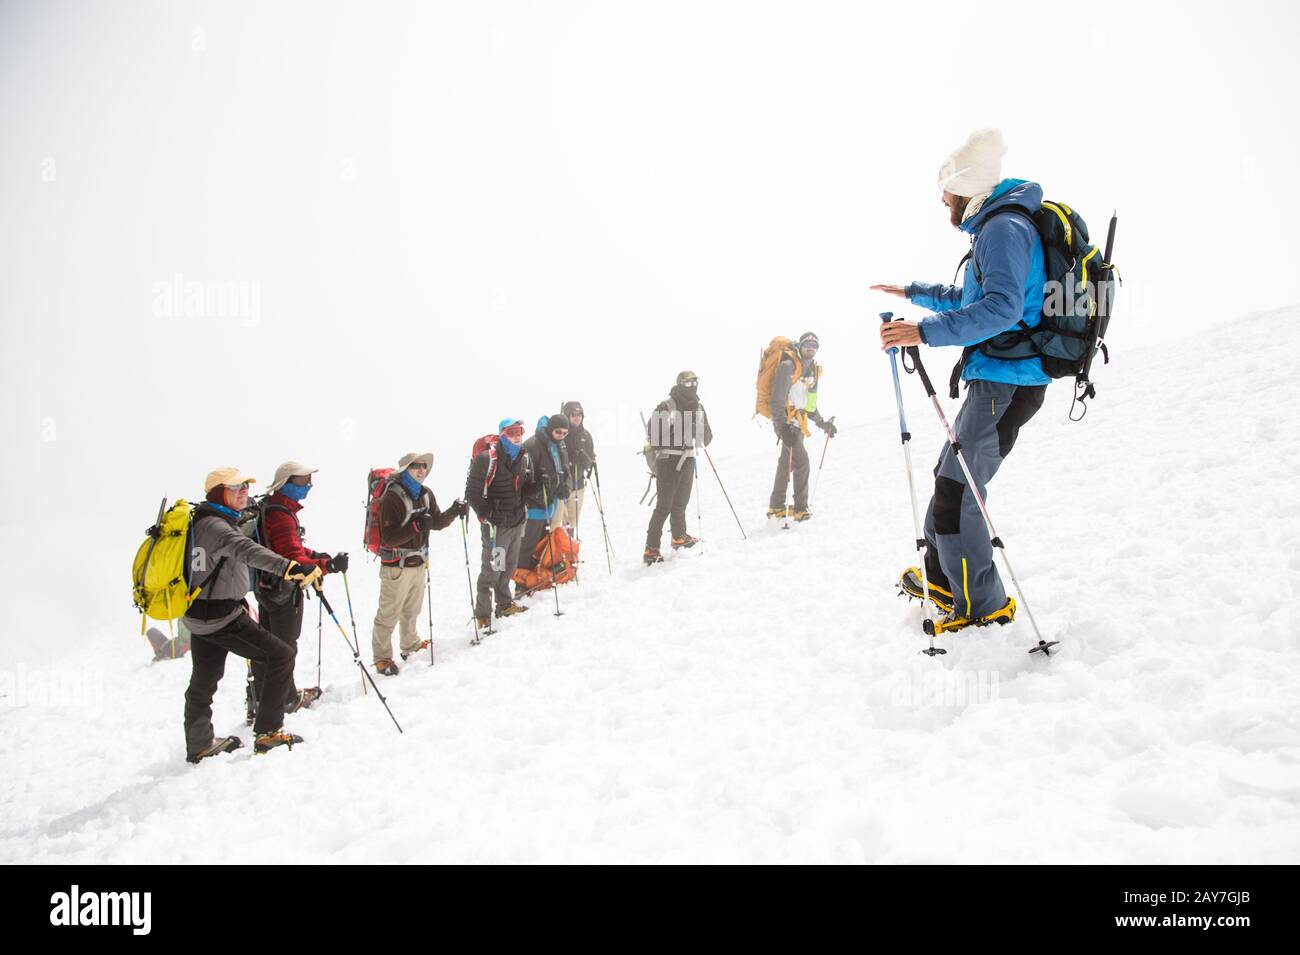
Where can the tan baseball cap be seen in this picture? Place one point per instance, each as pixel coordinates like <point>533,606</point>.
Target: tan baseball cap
<point>226,476</point>
<point>408,459</point>
<point>288,470</point>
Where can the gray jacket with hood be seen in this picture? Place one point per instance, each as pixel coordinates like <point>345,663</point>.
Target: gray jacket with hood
<point>216,544</point>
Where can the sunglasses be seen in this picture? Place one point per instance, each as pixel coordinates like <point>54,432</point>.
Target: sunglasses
<point>559,434</point>
<point>237,487</point>
<point>421,466</point>
<point>515,431</point>
<point>809,346</point>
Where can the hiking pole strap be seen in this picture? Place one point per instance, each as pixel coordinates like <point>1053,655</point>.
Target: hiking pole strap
<point>914,353</point>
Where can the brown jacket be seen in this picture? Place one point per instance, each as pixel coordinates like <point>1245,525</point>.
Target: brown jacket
<point>399,537</point>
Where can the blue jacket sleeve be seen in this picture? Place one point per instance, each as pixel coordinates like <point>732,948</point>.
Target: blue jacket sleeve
<point>1003,250</point>
<point>937,298</point>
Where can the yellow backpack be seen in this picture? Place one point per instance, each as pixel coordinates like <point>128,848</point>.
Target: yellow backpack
<point>768,362</point>
<point>161,590</point>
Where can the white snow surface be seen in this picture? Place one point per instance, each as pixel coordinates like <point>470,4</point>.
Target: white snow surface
<point>764,700</point>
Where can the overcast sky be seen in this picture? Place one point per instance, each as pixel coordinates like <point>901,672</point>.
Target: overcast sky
<point>445,213</point>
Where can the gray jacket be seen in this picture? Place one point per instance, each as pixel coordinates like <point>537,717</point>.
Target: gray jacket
<point>216,545</point>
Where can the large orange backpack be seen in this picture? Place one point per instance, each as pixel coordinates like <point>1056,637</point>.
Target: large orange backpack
<point>557,562</point>
<point>768,363</point>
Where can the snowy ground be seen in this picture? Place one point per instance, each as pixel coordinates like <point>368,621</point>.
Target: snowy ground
<point>764,700</point>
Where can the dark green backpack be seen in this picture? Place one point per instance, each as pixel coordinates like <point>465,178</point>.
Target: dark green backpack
<point>1077,302</point>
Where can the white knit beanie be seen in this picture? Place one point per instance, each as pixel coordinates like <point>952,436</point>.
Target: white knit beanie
<point>976,167</point>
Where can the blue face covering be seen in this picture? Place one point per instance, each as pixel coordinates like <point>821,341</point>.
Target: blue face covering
<point>509,447</point>
<point>228,511</point>
<point>411,484</point>
<point>294,492</point>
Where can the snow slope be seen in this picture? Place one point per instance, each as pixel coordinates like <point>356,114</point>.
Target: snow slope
<point>763,700</point>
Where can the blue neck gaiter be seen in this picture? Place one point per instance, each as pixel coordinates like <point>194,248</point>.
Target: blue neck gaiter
<point>295,492</point>
<point>412,485</point>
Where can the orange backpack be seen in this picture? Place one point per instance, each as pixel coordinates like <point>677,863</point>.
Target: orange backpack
<point>557,562</point>
<point>768,362</point>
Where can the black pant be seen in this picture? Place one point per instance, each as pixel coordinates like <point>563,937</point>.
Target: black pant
<point>286,623</point>
<point>673,490</point>
<point>797,455</point>
<point>208,652</point>
<point>534,531</point>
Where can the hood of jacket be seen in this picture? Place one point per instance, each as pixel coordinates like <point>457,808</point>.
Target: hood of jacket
<point>1009,192</point>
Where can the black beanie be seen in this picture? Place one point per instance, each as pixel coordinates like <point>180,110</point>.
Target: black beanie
<point>572,407</point>
<point>556,421</point>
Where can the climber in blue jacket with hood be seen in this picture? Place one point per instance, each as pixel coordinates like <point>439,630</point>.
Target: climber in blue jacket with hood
<point>1002,290</point>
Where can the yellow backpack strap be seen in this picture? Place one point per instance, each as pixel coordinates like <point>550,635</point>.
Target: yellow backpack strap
<point>1064,216</point>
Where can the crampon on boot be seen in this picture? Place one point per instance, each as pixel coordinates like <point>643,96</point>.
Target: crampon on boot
<point>685,541</point>
<point>652,556</point>
<point>269,741</point>
<point>304,699</point>
<point>219,744</point>
<point>386,667</point>
<point>910,584</point>
<point>778,511</point>
<point>800,516</point>
<point>512,610</point>
<point>955,621</point>
<point>422,645</point>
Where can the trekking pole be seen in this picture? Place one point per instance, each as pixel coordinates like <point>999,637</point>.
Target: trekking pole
<point>356,652</point>
<point>555,588</point>
<point>789,479</point>
<point>600,509</point>
<point>319,618</point>
<point>699,494</point>
<point>826,444</point>
<point>464,540</point>
<point>915,354</point>
<point>353,620</point>
<point>709,458</point>
<point>428,593</point>
<point>922,546</point>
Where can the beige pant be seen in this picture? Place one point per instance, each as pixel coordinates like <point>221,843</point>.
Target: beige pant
<point>566,512</point>
<point>401,595</point>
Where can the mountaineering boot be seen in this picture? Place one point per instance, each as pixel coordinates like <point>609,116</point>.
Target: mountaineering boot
<point>910,584</point>
<point>800,516</point>
<point>512,610</point>
<point>955,621</point>
<point>422,645</point>
<point>685,541</point>
<point>778,511</point>
<point>304,699</point>
<point>269,741</point>
<point>652,556</point>
<point>219,744</point>
<point>482,623</point>
<point>386,667</point>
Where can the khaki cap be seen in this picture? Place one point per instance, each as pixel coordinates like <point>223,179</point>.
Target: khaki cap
<point>226,476</point>
<point>288,470</point>
<point>408,459</point>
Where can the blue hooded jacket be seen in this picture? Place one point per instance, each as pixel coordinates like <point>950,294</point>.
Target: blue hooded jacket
<point>1010,255</point>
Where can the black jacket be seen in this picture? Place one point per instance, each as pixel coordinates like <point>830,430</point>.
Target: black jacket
<point>679,423</point>
<point>546,474</point>
<point>503,502</point>
<point>582,455</point>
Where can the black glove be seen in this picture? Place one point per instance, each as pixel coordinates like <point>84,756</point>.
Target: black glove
<point>563,491</point>
<point>828,427</point>
<point>424,521</point>
<point>338,564</point>
<point>458,509</point>
<point>784,430</point>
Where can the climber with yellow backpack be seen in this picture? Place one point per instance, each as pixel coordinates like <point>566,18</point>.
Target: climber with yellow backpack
<point>194,565</point>
<point>788,376</point>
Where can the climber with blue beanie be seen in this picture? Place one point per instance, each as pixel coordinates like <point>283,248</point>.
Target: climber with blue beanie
<point>501,473</point>
<point>1002,289</point>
